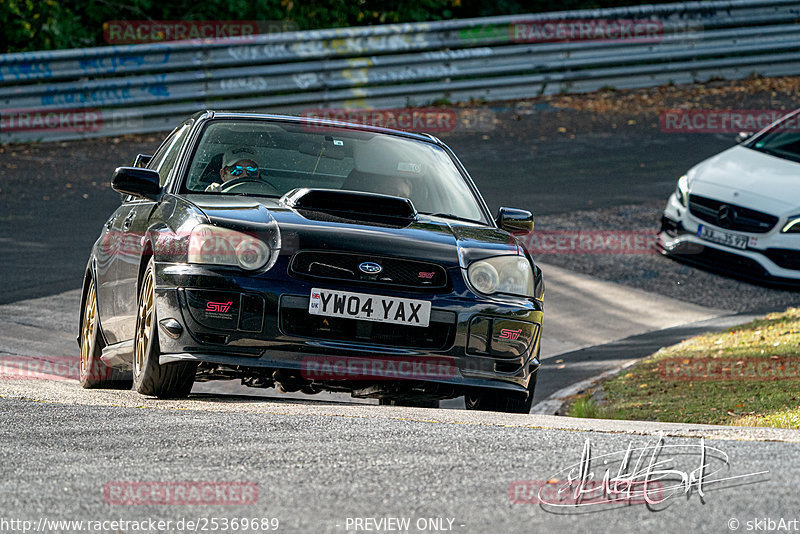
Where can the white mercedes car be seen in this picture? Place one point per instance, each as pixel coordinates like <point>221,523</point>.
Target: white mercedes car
<point>739,211</point>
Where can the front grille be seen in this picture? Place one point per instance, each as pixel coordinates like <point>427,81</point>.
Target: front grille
<point>783,257</point>
<point>438,335</point>
<point>732,217</point>
<point>345,266</point>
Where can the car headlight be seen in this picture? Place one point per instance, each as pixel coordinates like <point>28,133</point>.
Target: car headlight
<point>682,191</point>
<point>502,274</point>
<point>220,246</point>
<point>792,225</point>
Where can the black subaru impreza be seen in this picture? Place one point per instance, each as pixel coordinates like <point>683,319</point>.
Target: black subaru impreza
<point>311,255</point>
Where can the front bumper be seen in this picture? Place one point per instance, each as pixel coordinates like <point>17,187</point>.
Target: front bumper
<point>261,323</point>
<point>771,258</point>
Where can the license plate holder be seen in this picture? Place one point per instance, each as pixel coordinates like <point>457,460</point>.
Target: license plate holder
<point>368,307</point>
<point>721,237</point>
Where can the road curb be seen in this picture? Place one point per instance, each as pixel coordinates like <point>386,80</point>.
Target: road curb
<point>552,405</point>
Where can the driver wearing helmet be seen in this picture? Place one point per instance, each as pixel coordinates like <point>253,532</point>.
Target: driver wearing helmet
<point>237,162</point>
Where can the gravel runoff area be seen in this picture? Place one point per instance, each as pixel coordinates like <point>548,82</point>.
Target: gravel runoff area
<point>652,271</point>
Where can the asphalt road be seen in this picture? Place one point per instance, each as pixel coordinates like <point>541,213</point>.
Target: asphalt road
<point>319,462</point>
<point>316,465</point>
<point>54,199</point>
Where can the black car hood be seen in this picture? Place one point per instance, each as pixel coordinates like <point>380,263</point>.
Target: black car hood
<point>447,242</point>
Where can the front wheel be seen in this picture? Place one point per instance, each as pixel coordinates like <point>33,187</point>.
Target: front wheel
<point>491,400</point>
<point>171,380</point>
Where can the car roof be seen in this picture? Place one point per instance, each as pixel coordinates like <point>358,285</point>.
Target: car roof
<point>210,115</point>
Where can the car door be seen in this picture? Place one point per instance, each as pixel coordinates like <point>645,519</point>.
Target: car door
<point>106,254</point>
<point>134,221</point>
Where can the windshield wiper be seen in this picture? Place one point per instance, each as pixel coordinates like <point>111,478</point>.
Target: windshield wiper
<point>450,216</point>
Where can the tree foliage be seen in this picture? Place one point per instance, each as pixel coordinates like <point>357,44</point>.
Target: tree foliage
<point>54,24</point>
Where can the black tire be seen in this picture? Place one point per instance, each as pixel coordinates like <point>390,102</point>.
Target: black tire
<point>409,402</point>
<point>93,372</point>
<point>171,380</point>
<point>490,400</point>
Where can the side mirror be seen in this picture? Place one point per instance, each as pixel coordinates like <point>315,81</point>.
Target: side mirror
<point>142,160</point>
<point>138,182</point>
<point>741,137</point>
<point>515,221</point>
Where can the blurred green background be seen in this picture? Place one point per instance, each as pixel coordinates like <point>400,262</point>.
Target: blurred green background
<point>54,24</point>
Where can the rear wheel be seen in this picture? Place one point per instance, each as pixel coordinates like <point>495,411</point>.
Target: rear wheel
<point>169,380</point>
<point>491,400</point>
<point>93,372</point>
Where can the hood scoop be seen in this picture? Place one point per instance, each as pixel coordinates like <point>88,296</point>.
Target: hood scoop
<point>335,205</point>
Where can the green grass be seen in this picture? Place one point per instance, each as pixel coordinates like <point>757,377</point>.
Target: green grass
<point>587,407</point>
<point>645,393</point>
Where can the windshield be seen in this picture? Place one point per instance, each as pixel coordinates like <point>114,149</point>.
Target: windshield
<point>261,158</point>
<point>782,140</point>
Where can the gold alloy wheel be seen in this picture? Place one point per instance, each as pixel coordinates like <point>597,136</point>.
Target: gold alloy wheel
<point>144,331</point>
<point>87,332</point>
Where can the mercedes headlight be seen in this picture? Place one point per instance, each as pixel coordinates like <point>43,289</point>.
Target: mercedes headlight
<point>213,245</point>
<point>682,191</point>
<point>792,225</point>
<point>502,274</point>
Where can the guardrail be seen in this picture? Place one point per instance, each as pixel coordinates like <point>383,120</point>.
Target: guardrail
<point>113,90</point>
